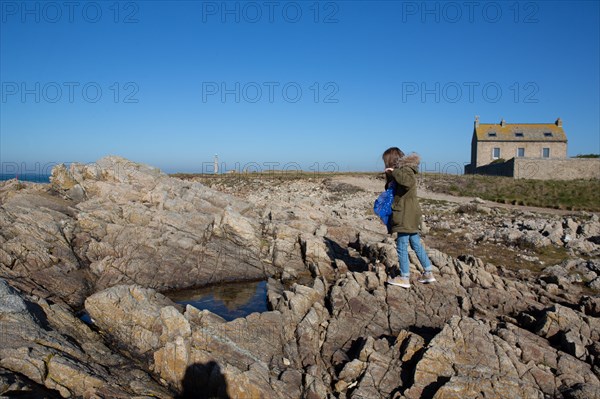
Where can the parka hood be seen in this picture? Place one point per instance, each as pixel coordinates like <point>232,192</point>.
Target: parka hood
<point>410,160</point>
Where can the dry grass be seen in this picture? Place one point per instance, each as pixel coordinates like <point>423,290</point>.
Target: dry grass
<point>576,195</point>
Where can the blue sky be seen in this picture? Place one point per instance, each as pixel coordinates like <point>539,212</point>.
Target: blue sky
<point>319,84</point>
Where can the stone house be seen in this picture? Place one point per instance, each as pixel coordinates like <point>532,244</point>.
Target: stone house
<point>504,141</point>
<point>526,151</point>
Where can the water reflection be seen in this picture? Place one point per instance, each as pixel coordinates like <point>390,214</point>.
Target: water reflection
<point>228,300</point>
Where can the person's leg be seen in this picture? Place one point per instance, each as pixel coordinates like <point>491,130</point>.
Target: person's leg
<point>427,275</point>
<point>402,249</point>
<point>415,244</point>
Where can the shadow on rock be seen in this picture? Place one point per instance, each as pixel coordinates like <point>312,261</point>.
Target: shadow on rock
<point>203,381</point>
<point>336,251</point>
<point>38,314</point>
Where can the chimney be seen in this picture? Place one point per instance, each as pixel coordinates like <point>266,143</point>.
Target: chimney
<point>502,122</point>
<point>558,122</point>
<point>476,120</point>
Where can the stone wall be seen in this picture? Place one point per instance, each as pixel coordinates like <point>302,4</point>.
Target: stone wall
<point>508,150</point>
<point>557,169</point>
<point>494,169</point>
<point>542,169</point>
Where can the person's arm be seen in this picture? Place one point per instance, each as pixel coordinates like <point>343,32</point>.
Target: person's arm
<point>404,177</point>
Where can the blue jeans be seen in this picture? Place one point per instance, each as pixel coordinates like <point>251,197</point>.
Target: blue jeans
<point>402,247</point>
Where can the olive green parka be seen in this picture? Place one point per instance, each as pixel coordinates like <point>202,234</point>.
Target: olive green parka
<point>406,211</point>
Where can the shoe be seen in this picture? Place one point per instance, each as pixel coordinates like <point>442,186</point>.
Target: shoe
<point>400,281</point>
<point>427,277</point>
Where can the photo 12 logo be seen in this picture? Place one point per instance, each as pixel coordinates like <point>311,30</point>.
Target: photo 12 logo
<point>471,92</point>
<point>68,92</point>
<point>266,169</point>
<point>52,12</point>
<point>252,12</point>
<point>269,92</point>
<point>35,171</point>
<point>469,11</point>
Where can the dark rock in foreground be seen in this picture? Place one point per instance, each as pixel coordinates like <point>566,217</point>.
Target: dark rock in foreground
<point>44,344</point>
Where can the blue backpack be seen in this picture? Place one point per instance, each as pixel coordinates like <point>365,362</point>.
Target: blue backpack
<point>383,206</point>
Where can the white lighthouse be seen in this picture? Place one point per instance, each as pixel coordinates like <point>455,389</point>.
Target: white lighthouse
<point>216,164</point>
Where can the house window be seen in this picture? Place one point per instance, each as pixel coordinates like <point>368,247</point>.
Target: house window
<point>520,152</point>
<point>519,134</point>
<point>547,134</point>
<point>495,153</point>
<point>492,134</point>
<point>545,152</point>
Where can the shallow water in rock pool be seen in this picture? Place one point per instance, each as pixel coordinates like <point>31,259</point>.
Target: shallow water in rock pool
<point>228,300</point>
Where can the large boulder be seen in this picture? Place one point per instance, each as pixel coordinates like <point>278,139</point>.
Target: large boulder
<point>118,222</point>
<point>470,357</point>
<point>572,331</point>
<point>56,352</point>
<point>234,358</point>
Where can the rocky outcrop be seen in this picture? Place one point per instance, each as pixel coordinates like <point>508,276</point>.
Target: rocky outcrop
<point>113,235</point>
<point>45,349</point>
<point>179,347</point>
<point>573,271</point>
<point>35,251</point>
<point>120,222</point>
<point>521,229</point>
<point>572,332</point>
<point>352,337</point>
<point>472,357</point>
<point>346,340</point>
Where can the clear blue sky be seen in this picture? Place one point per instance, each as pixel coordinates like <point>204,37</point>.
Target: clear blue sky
<point>371,75</point>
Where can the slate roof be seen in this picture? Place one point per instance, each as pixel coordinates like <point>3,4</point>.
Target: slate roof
<point>545,132</point>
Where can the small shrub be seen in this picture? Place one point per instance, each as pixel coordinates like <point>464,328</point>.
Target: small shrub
<point>587,156</point>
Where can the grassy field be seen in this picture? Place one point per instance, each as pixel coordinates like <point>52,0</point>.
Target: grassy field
<point>577,195</point>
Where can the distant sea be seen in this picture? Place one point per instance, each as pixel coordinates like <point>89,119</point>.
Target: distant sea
<point>32,177</point>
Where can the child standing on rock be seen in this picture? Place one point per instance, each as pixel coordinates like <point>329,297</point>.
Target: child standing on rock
<point>406,213</point>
